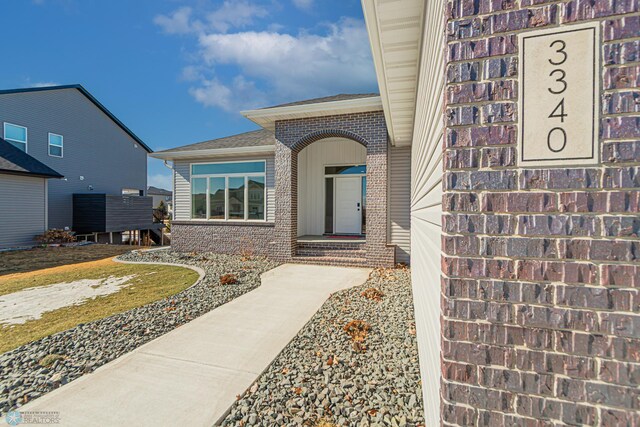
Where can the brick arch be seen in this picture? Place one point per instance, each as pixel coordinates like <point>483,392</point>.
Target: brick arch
<point>318,135</point>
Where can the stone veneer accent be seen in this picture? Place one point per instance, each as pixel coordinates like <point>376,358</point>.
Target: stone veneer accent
<point>292,136</point>
<point>541,282</point>
<point>225,238</point>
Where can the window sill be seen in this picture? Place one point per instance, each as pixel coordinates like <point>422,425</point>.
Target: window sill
<point>223,223</point>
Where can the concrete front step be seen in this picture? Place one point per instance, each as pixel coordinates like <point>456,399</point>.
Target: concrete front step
<point>332,253</point>
<point>337,261</point>
<point>331,245</point>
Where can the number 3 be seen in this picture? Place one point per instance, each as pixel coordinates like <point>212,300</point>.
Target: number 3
<point>560,80</point>
<point>561,50</point>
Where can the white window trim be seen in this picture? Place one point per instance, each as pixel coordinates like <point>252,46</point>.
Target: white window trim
<point>226,177</point>
<point>49,144</point>
<point>26,135</point>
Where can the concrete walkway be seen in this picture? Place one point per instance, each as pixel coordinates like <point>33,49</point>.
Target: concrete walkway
<point>192,375</point>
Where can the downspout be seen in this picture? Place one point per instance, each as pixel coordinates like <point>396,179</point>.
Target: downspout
<point>173,188</point>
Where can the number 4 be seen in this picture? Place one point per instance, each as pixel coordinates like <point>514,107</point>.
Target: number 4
<point>558,112</point>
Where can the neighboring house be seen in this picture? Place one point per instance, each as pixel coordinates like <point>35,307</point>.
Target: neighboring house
<point>161,195</point>
<point>23,196</point>
<point>67,129</point>
<point>525,275</point>
<point>321,183</point>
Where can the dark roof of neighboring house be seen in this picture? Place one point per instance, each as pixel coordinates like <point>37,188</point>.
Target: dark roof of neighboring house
<point>340,97</point>
<point>256,138</point>
<point>86,93</point>
<point>155,191</point>
<point>16,162</point>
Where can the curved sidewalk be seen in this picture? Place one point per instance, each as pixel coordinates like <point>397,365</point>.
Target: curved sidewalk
<point>192,375</point>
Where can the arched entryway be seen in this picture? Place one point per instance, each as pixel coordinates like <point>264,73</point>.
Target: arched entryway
<point>332,190</point>
<point>292,137</point>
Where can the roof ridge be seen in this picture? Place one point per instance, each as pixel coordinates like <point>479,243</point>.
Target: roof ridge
<point>90,97</point>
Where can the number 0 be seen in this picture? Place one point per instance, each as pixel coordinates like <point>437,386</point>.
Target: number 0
<point>564,140</point>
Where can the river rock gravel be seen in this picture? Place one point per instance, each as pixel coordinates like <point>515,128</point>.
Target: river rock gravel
<point>324,377</point>
<point>79,351</point>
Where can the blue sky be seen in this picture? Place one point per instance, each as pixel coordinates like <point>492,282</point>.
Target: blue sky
<point>177,71</point>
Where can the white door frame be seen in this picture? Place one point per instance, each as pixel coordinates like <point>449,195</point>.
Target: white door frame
<point>335,204</point>
<point>334,176</point>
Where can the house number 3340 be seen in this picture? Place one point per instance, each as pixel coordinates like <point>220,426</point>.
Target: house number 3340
<point>557,136</point>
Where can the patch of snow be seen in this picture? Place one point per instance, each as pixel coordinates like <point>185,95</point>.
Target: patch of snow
<point>31,303</point>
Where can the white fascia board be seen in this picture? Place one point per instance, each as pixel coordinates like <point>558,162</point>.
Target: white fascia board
<point>371,21</point>
<point>268,116</point>
<point>215,152</point>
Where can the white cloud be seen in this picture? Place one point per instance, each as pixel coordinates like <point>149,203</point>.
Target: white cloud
<point>178,22</point>
<point>160,180</point>
<point>43,84</point>
<point>303,4</point>
<point>236,69</point>
<point>291,66</point>
<point>238,95</point>
<point>235,14</point>
<point>232,14</point>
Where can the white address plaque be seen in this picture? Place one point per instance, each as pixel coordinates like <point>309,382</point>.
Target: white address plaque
<point>559,96</point>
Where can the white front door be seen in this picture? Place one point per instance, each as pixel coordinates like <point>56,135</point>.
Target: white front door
<point>348,205</point>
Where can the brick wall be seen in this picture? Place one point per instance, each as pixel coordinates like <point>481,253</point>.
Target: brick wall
<point>292,136</point>
<point>226,238</point>
<point>541,282</point>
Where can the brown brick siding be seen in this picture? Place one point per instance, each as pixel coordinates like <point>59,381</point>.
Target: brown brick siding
<point>226,238</point>
<point>541,287</point>
<point>293,136</point>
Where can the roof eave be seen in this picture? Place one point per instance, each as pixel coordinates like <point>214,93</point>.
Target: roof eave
<point>400,131</point>
<point>369,11</point>
<point>214,152</point>
<point>267,117</point>
<point>26,173</point>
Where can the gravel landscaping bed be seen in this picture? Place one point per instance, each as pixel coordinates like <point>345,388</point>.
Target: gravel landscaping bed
<point>41,366</point>
<point>327,376</point>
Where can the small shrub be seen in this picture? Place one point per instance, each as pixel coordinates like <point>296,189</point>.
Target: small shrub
<point>56,236</point>
<point>50,359</point>
<point>229,279</point>
<point>373,294</point>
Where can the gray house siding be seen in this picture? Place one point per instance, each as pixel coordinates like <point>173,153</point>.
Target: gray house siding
<point>97,152</point>
<point>22,216</point>
<point>182,185</point>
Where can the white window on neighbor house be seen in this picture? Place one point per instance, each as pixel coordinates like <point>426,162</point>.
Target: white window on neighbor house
<point>132,192</point>
<point>16,136</point>
<point>56,143</point>
<point>228,191</point>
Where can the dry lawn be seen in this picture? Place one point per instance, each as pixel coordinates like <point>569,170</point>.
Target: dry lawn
<point>39,258</point>
<point>152,283</point>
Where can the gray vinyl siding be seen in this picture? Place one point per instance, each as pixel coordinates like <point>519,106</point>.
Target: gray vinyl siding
<point>400,202</point>
<point>95,148</point>
<point>22,216</point>
<point>182,185</point>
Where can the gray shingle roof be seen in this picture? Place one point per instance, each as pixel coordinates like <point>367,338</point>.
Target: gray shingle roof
<point>17,162</point>
<point>256,138</point>
<point>155,191</point>
<point>340,97</point>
